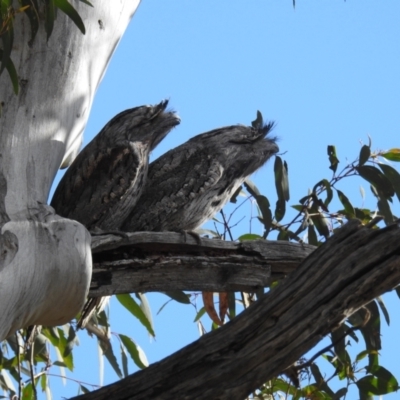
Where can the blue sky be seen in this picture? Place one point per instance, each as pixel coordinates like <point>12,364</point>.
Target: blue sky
<point>327,72</point>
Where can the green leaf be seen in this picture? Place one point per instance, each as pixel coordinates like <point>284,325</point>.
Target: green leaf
<point>384,209</point>
<point>232,305</point>
<point>67,8</point>
<point>43,382</point>
<point>135,352</point>
<point>366,388</point>
<point>298,207</point>
<point>383,308</point>
<point>32,12</point>
<point>305,199</point>
<point>63,348</point>
<point>27,392</point>
<point>7,38</point>
<point>280,209</point>
<point>84,389</point>
<point>50,16</point>
<point>40,347</point>
<point>363,214</point>
<point>392,155</point>
<point>109,354</point>
<point>377,179</point>
<point>319,221</point>
<point>264,206</point>
<point>249,236</point>
<point>387,382</point>
<point>362,355</point>
<point>312,235</point>
<point>284,387</point>
<point>59,364</point>
<point>382,384</point>
<point>12,72</point>
<point>251,188</point>
<point>365,153</point>
<point>339,341</point>
<point>281,179</point>
<point>87,3</point>
<point>178,296</point>
<point>370,331</point>
<point>130,304</point>
<point>124,360</point>
<point>283,235</point>
<point>340,394</point>
<point>393,176</point>
<point>303,226</point>
<point>329,193</point>
<point>145,306</point>
<point>333,158</point>
<point>71,340</point>
<point>319,379</point>
<point>200,313</point>
<point>350,213</point>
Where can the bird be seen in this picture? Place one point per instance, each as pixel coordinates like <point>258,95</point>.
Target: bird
<point>107,177</point>
<point>189,184</point>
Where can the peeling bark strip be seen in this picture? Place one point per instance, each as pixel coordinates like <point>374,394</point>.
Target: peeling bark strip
<point>351,269</point>
<point>163,261</point>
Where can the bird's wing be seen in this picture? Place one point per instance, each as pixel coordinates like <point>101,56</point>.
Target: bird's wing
<point>175,182</point>
<point>95,182</point>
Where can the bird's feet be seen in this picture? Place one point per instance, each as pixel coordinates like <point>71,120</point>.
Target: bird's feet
<point>195,235</point>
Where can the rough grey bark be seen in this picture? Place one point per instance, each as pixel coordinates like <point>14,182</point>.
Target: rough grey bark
<point>106,179</point>
<point>356,265</point>
<point>165,261</point>
<point>189,184</point>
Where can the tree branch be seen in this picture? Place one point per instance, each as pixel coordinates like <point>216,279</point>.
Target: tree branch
<point>356,265</point>
<point>141,263</point>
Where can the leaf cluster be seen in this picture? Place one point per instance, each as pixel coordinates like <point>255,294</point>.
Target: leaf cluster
<point>314,218</point>
<point>38,12</point>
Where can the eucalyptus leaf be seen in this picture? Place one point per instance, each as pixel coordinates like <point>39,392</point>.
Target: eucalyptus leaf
<point>68,9</point>
<point>349,209</point>
<point>179,296</point>
<point>393,176</point>
<point>312,235</point>
<point>365,153</point>
<point>333,158</point>
<point>392,155</point>
<point>377,179</point>
<point>130,304</point>
<point>135,352</point>
<point>251,188</point>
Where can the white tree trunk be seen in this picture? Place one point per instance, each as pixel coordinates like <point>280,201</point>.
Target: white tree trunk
<point>45,261</point>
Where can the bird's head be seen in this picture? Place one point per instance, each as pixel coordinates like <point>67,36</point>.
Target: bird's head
<point>146,124</point>
<point>242,148</point>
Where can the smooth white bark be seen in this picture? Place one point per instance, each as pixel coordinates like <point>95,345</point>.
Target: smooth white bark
<point>46,274</point>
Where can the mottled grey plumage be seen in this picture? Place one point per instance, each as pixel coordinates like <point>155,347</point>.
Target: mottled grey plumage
<point>189,184</point>
<point>107,177</point>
